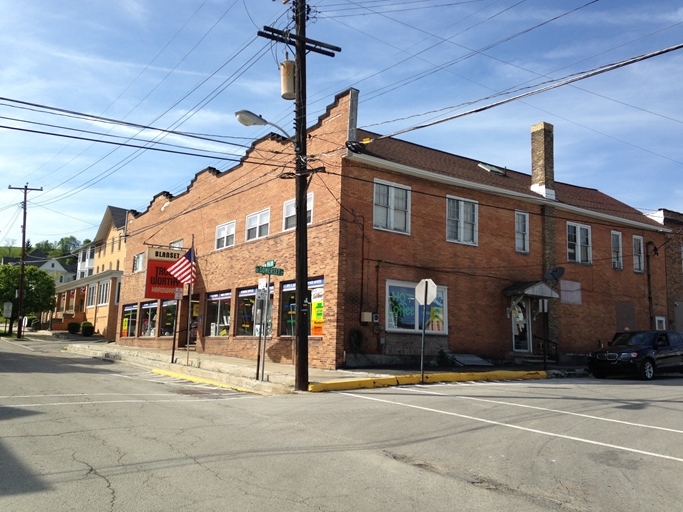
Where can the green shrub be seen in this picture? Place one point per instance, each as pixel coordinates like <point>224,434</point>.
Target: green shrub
<point>73,327</point>
<point>87,329</point>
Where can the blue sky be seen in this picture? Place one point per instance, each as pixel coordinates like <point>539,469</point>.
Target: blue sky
<point>189,65</point>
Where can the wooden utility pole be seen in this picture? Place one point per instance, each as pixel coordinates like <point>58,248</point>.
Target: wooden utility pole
<point>302,45</point>
<point>20,311</point>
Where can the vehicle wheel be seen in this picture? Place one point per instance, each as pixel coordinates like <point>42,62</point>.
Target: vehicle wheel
<point>598,374</point>
<point>647,370</point>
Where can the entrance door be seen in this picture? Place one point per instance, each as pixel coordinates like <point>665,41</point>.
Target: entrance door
<point>521,325</point>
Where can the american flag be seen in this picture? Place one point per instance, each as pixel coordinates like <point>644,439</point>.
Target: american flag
<point>185,269</point>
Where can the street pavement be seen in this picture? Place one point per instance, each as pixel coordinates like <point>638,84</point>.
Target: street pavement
<point>278,378</point>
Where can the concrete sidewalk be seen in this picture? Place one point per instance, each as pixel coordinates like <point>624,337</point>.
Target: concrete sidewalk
<point>278,378</point>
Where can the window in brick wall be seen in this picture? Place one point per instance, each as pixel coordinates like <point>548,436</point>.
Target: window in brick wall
<point>522,232</point>
<point>403,312</point>
<point>638,256</point>
<point>258,224</point>
<point>289,213</point>
<point>617,256</point>
<point>391,207</point>
<point>176,244</point>
<point>462,223</point>
<point>225,235</point>
<point>139,262</point>
<point>579,243</point>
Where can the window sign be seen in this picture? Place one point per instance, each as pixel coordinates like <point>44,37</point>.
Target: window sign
<point>218,314</point>
<point>403,313</point>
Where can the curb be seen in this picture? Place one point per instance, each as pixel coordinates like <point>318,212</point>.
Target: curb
<point>200,380</point>
<point>430,378</point>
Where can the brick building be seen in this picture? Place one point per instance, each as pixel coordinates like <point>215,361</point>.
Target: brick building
<point>673,253</point>
<point>517,258</point>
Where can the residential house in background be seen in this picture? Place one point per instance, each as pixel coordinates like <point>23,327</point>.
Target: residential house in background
<point>672,251</point>
<point>59,271</point>
<point>521,261</point>
<point>93,296</point>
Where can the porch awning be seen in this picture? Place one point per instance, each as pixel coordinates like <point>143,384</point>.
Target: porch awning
<point>531,289</point>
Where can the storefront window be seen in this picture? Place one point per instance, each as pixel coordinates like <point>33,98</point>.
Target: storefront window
<point>129,320</point>
<point>167,318</point>
<point>249,313</point>
<point>404,313</point>
<point>218,314</point>
<point>316,297</point>
<point>148,319</point>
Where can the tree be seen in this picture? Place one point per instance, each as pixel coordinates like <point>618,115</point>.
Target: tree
<point>39,290</point>
<point>45,246</point>
<point>28,246</point>
<point>68,244</point>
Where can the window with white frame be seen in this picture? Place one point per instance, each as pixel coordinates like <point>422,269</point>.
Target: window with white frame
<point>103,293</point>
<point>90,298</point>
<point>579,243</point>
<point>404,313</point>
<point>139,262</point>
<point>462,223</point>
<point>176,244</point>
<point>391,207</point>
<point>617,253</point>
<point>225,235</point>
<point>289,213</point>
<point>258,224</point>
<point>638,256</point>
<point>522,232</point>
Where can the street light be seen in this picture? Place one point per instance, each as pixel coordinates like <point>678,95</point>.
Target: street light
<point>248,118</point>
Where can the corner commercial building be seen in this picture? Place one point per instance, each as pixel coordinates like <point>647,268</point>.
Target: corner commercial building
<point>519,259</point>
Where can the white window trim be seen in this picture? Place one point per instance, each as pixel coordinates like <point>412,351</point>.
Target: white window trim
<point>391,207</point>
<point>292,203</point>
<point>257,216</point>
<point>228,232</point>
<point>176,244</point>
<point>618,263</point>
<point>463,200</point>
<point>525,234</point>
<point>409,284</point>
<point>639,259</point>
<point>103,293</point>
<point>91,297</point>
<point>578,243</point>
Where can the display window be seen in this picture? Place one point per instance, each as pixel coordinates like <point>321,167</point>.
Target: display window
<point>251,314</point>
<point>404,313</point>
<point>129,320</point>
<point>218,314</point>
<point>148,319</point>
<point>316,298</point>
<point>169,312</point>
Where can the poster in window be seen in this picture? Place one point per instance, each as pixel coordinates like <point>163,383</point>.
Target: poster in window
<point>317,314</point>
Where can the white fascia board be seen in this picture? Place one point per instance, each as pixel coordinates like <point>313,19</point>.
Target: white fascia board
<point>449,180</point>
<point>107,275</point>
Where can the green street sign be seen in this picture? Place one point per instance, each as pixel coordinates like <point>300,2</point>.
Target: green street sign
<point>270,270</point>
<point>269,263</point>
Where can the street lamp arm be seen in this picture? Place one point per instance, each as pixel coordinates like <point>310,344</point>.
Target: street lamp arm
<point>248,118</point>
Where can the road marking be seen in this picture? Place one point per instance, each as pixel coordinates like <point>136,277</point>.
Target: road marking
<point>572,414</point>
<point>516,427</point>
<point>99,402</point>
<point>18,345</point>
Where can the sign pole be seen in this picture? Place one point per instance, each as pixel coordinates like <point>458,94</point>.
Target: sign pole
<point>424,327</point>
<point>264,321</point>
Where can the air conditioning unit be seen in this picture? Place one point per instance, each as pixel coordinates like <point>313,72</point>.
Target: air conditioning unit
<point>366,317</point>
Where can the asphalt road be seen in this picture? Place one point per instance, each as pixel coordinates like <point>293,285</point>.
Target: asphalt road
<point>83,434</point>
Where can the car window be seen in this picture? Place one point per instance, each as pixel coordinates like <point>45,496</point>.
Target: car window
<point>676,339</point>
<point>662,340</point>
<point>634,338</point>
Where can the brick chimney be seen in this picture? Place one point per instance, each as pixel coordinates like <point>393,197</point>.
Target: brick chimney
<point>542,160</point>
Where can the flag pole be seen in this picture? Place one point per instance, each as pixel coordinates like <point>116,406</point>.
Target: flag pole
<point>189,309</point>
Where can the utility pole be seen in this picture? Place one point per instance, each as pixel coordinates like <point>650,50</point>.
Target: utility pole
<point>302,45</point>
<point>20,312</point>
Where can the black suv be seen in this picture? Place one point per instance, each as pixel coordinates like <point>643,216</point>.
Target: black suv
<point>640,353</point>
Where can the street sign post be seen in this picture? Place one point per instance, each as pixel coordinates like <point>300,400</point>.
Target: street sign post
<point>425,293</point>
